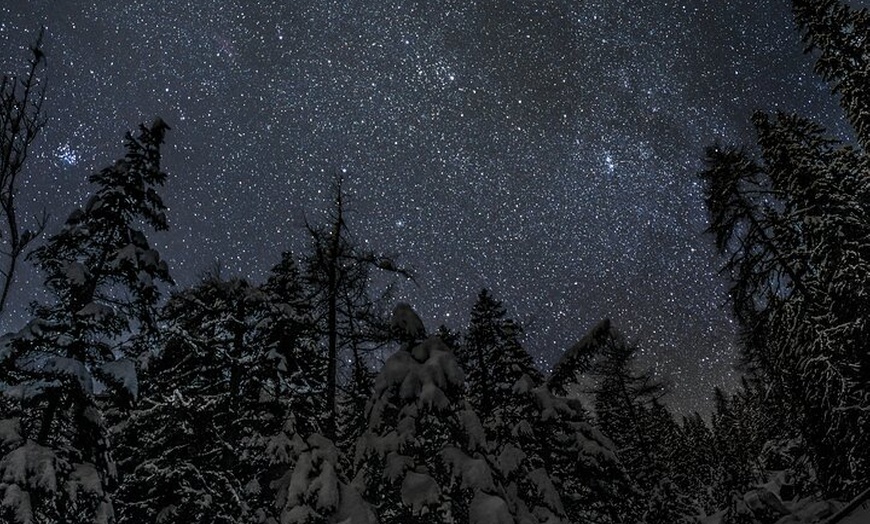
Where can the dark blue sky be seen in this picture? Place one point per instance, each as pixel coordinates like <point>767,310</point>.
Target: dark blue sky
<point>544,149</point>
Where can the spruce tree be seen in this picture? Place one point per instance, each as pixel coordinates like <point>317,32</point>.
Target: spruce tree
<point>627,407</point>
<point>214,431</point>
<point>492,356</point>
<point>557,465</point>
<point>838,35</point>
<point>794,226</point>
<point>57,463</point>
<point>759,459</point>
<point>422,458</point>
<point>310,488</point>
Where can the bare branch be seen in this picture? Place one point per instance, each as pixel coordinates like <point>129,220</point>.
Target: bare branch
<point>21,116</point>
<point>21,121</point>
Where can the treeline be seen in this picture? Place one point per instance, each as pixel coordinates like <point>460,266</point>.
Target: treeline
<point>309,398</point>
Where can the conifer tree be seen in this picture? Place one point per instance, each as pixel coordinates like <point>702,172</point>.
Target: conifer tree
<point>451,338</point>
<point>351,321</point>
<point>505,387</point>
<point>838,35</point>
<point>738,444</point>
<point>557,466</point>
<point>313,492</point>
<point>541,446</point>
<point>492,356</point>
<point>422,458</point>
<point>627,408</point>
<point>208,397</point>
<point>290,337</point>
<point>312,489</point>
<point>794,224</point>
<point>224,402</point>
<point>792,218</point>
<point>626,402</point>
<point>693,461</point>
<point>57,463</point>
<point>754,447</point>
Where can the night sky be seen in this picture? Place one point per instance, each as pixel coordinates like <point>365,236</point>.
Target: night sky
<point>547,149</point>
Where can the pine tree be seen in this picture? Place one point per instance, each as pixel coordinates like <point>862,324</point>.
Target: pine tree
<point>422,457</point>
<point>839,35</point>
<point>492,356</point>
<point>213,434</point>
<point>794,225</point>
<point>56,460</point>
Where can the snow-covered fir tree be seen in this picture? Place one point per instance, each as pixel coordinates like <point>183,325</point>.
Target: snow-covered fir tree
<point>289,335</point>
<point>600,369</point>
<point>837,34</point>
<point>530,433</point>
<point>422,458</point>
<point>313,491</point>
<point>559,466</point>
<point>212,430</point>
<point>57,463</point>
<point>738,434</point>
<point>491,354</point>
<point>627,407</point>
<point>794,224</point>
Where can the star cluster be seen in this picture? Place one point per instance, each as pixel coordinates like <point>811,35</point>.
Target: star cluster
<point>546,149</point>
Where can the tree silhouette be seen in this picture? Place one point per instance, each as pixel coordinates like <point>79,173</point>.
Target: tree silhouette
<point>57,464</point>
<point>337,272</point>
<point>21,121</point>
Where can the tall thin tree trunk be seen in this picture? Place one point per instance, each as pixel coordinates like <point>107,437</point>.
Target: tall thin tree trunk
<point>22,120</point>
<point>332,318</point>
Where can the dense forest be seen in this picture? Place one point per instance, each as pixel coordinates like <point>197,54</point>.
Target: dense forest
<point>310,398</point>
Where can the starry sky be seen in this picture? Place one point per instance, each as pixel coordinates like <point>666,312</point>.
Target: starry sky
<point>545,149</point>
